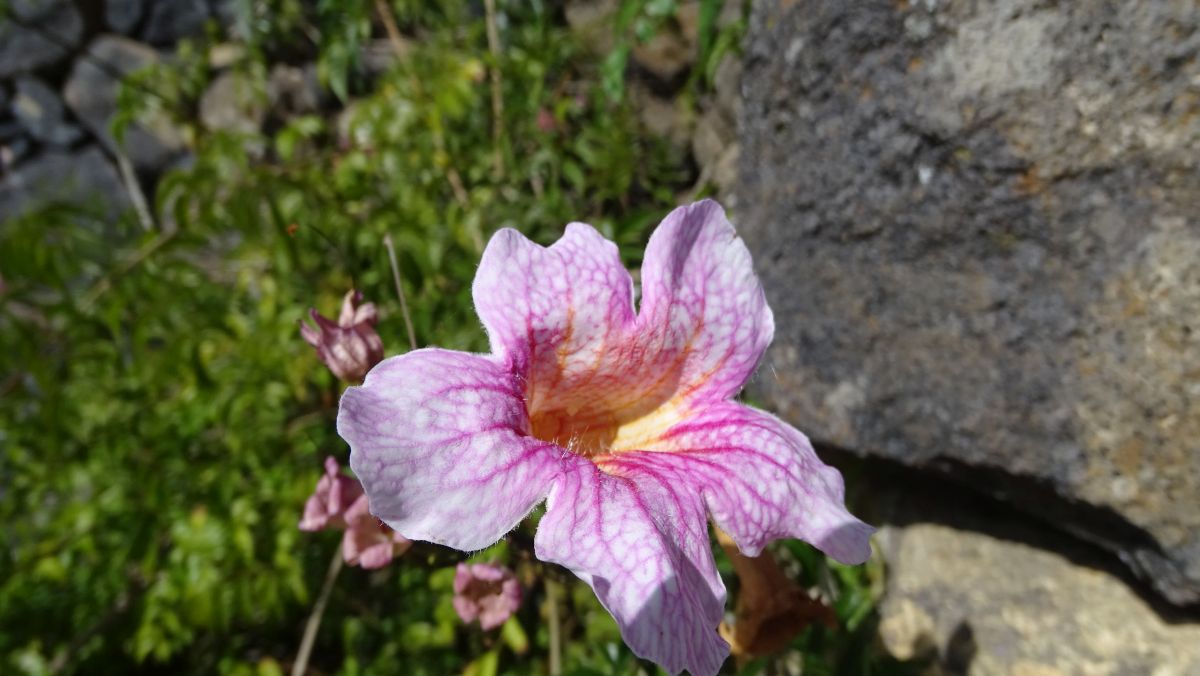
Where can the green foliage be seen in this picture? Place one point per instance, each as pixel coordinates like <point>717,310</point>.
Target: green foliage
<point>162,421</point>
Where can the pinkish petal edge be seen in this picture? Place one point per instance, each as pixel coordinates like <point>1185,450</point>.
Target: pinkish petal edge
<point>702,301</point>
<point>554,311</point>
<point>760,478</point>
<point>439,440</point>
<point>644,548</point>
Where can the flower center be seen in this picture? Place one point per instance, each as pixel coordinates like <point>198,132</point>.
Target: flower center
<point>586,433</point>
<point>598,432</point>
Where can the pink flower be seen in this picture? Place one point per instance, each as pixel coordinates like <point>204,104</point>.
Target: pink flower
<point>545,120</point>
<point>326,507</point>
<point>622,421</point>
<point>351,346</point>
<point>368,542</point>
<point>486,593</point>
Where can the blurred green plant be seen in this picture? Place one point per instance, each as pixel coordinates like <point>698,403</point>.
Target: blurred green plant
<point>162,421</point>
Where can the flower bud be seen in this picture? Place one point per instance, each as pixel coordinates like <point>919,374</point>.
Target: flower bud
<point>326,507</point>
<point>486,593</point>
<point>368,542</point>
<point>351,347</point>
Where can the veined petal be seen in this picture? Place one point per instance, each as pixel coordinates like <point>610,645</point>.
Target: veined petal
<point>759,477</point>
<point>439,440</point>
<point>702,304</point>
<point>642,544</point>
<point>555,310</point>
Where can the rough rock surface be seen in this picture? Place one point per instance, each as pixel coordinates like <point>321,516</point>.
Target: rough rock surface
<point>84,179</point>
<point>39,36</point>
<point>123,16</point>
<point>231,103</point>
<point>979,227</point>
<point>977,604</point>
<point>40,111</point>
<point>172,20</point>
<point>91,92</point>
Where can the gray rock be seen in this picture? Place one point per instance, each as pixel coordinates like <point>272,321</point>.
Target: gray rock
<point>91,92</point>
<point>662,117</point>
<point>714,145</point>
<point>44,39</point>
<point>379,55</point>
<point>233,102</point>
<point>980,240</point>
<point>35,10</point>
<point>969,603</point>
<point>122,16</point>
<point>173,20</point>
<point>294,90</point>
<point>40,111</point>
<point>592,22</point>
<point>83,179</point>
<point>227,12</point>
<point>13,148</point>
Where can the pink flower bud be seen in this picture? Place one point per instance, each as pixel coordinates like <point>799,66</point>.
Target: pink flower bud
<point>326,507</point>
<point>545,120</point>
<point>486,593</point>
<point>369,542</point>
<point>351,347</point>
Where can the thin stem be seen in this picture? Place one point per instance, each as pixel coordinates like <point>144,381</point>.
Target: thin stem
<point>399,48</point>
<point>136,197</point>
<point>389,25</point>
<point>553,592</point>
<point>493,38</point>
<point>408,324</point>
<point>103,285</point>
<point>314,618</point>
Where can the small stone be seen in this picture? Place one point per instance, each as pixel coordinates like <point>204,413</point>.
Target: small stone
<point>712,136</point>
<point>232,103</point>
<point>84,179</point>
<point>226,11</point>
<point>13,149</point>
<point>977,604</point>
<point>34,10</point>
<point>727,82</point>
<point>661,117</point>
<point>172,20</point>
<point>91,93</point>
<point>225,55</point>
<point>379,55</point>
<point>39,109</point>
<point>24,50</point>
<point>294,90</point>
<point>123,16</point>
<point>591,21</point>
<point>666,56</point>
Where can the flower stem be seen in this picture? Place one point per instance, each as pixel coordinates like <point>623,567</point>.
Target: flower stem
<point>389,25</point>
<point>314,619</point>
<point>412,335</point>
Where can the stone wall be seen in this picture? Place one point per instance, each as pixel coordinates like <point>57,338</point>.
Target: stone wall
<point>60,63</point>
<point>979,226</point>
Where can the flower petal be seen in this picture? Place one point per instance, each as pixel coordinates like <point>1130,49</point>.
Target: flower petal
<point>439,441</point>
<point>557,312</point>
<point>760,478</point>
<point>644,548</point>
<point>564,315</point>
<point>702,302</point>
